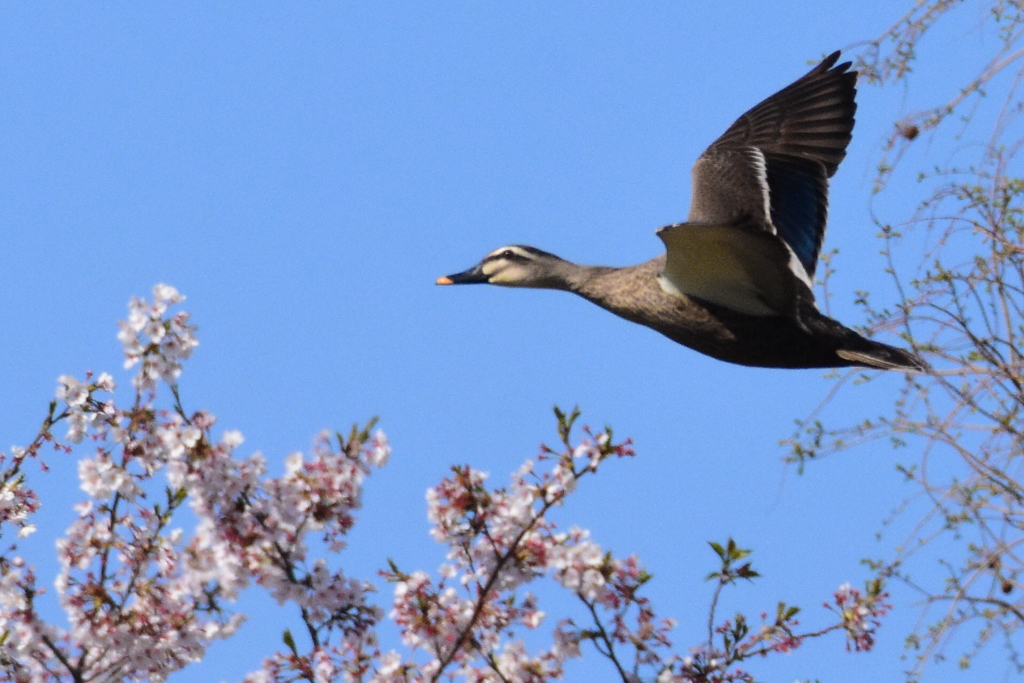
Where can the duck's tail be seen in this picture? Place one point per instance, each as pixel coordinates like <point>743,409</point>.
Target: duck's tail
<point>872,354</point>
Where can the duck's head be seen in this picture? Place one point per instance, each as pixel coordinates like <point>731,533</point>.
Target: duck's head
<point>514,266</point>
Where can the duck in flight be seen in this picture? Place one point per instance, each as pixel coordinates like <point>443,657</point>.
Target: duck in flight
<point>735,281</point>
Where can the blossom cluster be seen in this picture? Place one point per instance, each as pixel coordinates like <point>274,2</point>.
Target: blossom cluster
<point>17,501</point>
<point>160,344</point>
<point>142,597</point>
<point>502,539</point>
<point>145,597</point>
<point>861,613</point>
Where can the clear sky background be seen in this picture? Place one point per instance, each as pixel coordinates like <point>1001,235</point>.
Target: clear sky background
<point>303,172</point>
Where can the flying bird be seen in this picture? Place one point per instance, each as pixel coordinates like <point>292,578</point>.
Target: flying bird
<point>735,281</point>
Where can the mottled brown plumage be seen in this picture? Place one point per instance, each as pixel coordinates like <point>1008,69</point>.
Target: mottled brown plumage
<point>632,293</point>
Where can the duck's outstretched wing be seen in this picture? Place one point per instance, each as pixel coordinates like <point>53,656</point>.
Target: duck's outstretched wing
<point>774,162</point>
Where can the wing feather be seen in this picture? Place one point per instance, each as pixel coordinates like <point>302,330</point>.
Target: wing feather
<point>773,163</point>
<point>740,266</point>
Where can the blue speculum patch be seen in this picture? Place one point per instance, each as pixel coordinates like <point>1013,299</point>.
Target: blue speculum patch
<point>797,206</point>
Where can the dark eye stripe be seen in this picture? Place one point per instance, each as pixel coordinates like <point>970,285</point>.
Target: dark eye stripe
<point>507,255</point>
<point>521,253</point>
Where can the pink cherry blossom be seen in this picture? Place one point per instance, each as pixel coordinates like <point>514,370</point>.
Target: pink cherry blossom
<point>145,597</point>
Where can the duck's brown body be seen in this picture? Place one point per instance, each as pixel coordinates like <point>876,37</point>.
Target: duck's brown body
<point>633,293</point>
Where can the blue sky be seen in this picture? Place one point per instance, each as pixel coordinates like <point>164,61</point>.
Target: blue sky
<point>303,172</point>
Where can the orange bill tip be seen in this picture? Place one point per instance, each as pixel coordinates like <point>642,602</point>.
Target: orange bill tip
<point>444,281</point>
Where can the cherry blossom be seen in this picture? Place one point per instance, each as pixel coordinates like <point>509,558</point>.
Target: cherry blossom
<point>861,612</point>
<point>145,597</point>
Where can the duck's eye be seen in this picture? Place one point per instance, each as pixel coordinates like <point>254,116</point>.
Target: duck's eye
<point>508,253</point>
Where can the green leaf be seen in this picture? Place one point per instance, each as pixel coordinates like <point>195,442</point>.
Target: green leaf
<point>289,642</point>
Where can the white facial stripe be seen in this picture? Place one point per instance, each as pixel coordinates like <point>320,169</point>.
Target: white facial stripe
<point>509,274</point>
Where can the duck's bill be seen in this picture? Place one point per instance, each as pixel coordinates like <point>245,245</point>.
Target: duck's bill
<point>473,276</point>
